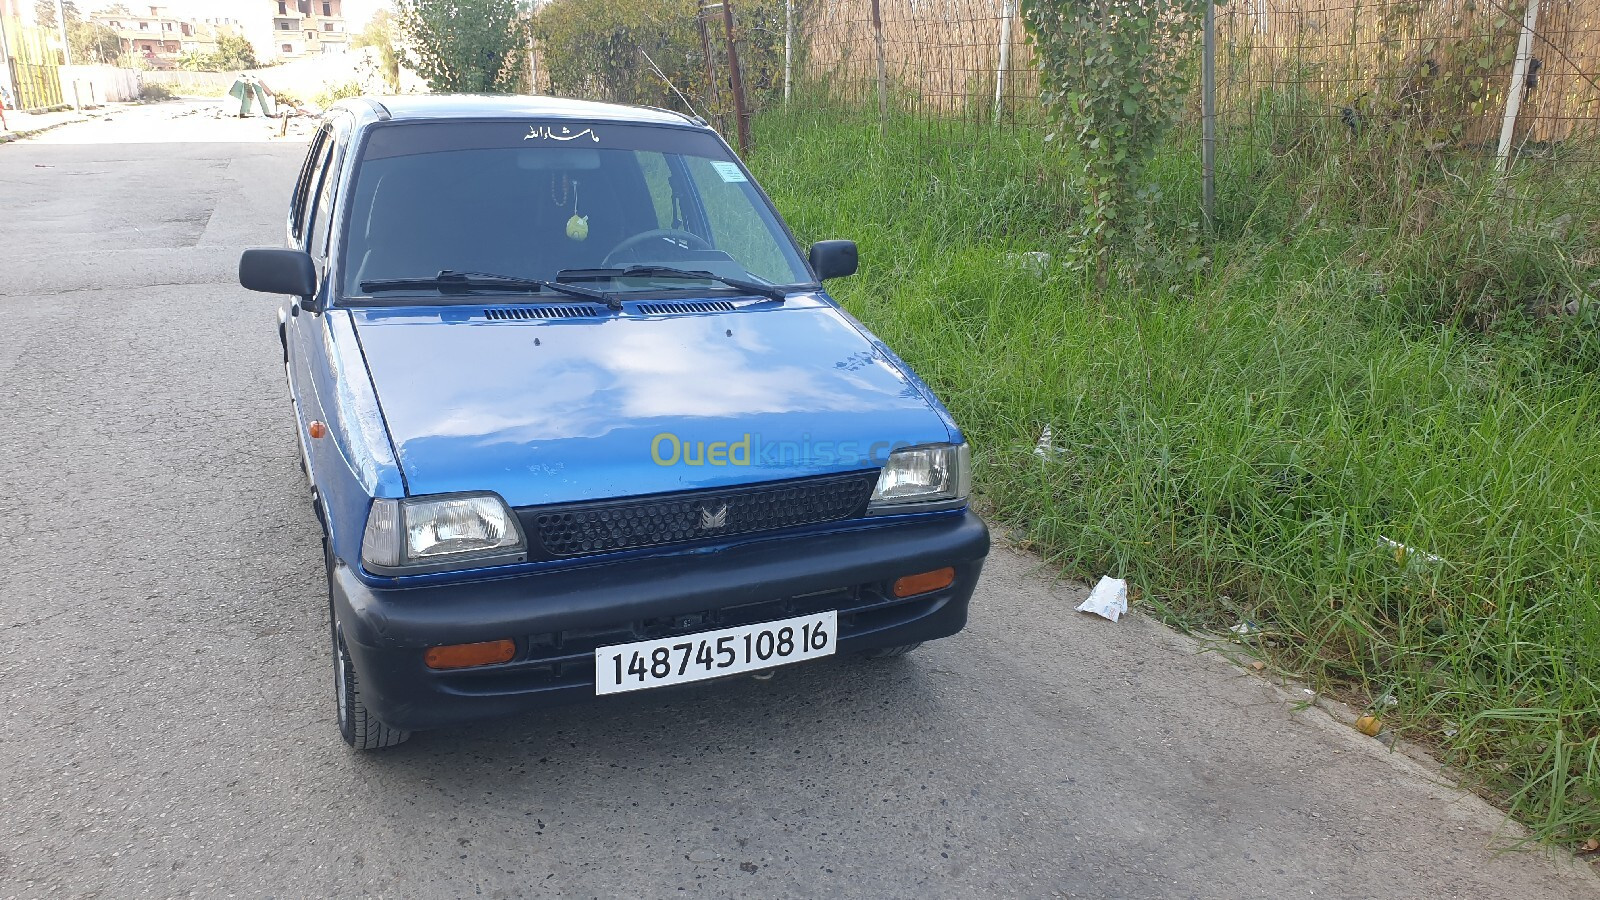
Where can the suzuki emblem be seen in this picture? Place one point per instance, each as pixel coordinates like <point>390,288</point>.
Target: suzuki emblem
<point>711,520</point>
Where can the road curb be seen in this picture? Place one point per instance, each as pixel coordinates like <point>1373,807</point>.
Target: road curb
<point>10,136</point>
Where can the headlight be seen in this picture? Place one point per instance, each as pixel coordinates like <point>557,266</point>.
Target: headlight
<point>937,476</point>
<point>430,534</point>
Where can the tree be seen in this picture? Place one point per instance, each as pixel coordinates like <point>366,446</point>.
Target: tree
<point>45,12</point>
<point>234,52</point>
<point>466,46</point>
<point>379,35</point>
<point>1113,76</point>
<point>591,49</point>
<point>93,41</point>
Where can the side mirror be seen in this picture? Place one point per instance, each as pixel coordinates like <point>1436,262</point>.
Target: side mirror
<point>278,272</point>
<point>833,259</point>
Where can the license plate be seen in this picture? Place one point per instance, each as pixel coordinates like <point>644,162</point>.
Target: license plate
<point>713,654</point>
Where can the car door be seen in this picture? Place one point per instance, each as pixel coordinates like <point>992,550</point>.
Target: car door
<point>300,204</point>
<point>310,363</point>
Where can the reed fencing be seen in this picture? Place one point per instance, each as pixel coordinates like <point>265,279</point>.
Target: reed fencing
<point>1490,81</point>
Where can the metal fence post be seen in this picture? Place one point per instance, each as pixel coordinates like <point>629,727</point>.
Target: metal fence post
<point>1519,78</point>
<point>711,70</point>
<point>1208,117</point>
<point>735,79</point>
<point>883,71</point>
<point>1006,12</point>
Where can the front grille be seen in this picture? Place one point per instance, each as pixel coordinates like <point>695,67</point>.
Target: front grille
<point>574,644</point>
<point>605,526</point>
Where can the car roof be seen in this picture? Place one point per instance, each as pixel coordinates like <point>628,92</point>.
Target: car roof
<point>422,107</point>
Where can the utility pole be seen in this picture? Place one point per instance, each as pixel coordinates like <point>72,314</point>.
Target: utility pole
<point>66,52</point>
<point>61,23</point>
<point>736,80</point>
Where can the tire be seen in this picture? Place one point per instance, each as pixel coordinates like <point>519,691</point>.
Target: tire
<point>891,652</point>
<point>357,725</point>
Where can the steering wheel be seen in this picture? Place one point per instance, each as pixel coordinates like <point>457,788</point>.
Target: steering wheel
<point>671,235</point>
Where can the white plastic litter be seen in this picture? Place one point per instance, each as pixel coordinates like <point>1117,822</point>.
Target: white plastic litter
<point>1405,554</point>
<point>1109,599</point>
<point>1035,263</point>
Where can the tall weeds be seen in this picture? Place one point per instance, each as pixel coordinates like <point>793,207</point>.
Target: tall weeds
<point>1247,426</point>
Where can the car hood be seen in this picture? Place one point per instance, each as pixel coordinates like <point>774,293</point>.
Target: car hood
<point>562,410</point>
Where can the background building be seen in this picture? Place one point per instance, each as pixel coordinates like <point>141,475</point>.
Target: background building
<point>150,32</point>
<point>304,28</point>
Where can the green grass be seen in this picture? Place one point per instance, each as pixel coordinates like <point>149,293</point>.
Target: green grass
<point>1239,434</point>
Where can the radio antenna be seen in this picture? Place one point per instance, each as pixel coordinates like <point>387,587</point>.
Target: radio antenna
<point>667,81</point>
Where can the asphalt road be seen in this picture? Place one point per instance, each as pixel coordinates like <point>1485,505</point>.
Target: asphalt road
<point>167,704</point>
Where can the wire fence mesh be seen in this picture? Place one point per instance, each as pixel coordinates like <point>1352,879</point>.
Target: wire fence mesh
<point>1427,77</point>
<point>1462,85</point>
<point>947,60</point>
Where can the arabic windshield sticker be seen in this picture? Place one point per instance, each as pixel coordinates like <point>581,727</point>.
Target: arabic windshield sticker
<point>559,133</point>
<point>728,170</point>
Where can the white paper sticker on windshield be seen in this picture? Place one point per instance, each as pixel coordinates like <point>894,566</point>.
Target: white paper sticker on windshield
<point>729,171</point>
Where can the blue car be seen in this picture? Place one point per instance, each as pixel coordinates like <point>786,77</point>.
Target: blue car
<point>579,419</point>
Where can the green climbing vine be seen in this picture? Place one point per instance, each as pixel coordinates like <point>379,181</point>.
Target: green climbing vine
<point>1114,75</point>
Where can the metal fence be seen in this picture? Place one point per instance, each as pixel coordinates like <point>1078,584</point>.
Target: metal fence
<point>34,64</point>
<point>1468,84</point>
<point>961,60</point>
<point>1495,80</point>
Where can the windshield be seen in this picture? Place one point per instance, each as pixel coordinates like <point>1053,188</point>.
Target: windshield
<point>536,200</point>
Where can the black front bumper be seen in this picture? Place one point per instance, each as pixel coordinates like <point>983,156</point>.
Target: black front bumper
<point>558,617</point>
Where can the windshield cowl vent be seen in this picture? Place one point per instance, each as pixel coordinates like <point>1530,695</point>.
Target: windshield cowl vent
<point>685,306</point>
<point>574,311</point>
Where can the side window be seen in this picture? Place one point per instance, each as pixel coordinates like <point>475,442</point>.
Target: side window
<point>730,203</point>
<point>322,203</point>
<point>303,185</point>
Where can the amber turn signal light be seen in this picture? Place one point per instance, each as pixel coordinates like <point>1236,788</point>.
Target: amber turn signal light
<point>927,581</point>
<point>317,430</point>
<point>465,656</point>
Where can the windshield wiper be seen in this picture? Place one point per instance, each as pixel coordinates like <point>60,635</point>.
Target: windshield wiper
<point>770,291</point>
<point>451,281</point>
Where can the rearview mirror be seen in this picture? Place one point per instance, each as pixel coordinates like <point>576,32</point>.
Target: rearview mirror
<point>833,259</point>
<point>278,272</point>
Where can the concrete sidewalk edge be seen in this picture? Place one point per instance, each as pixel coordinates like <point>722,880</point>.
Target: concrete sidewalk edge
<point>7,137</point>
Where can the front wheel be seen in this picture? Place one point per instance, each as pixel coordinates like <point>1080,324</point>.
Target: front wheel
<point>357,725</point>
